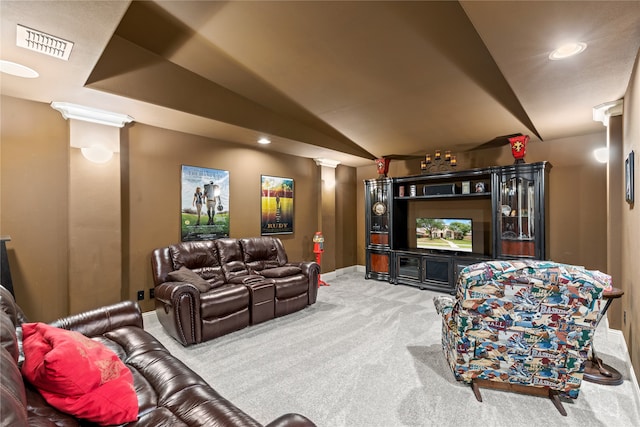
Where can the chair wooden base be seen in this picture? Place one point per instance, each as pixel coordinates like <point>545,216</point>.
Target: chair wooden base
<point>518,388</point>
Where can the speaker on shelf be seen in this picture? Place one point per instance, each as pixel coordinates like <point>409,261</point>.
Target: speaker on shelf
<point>437,189</point>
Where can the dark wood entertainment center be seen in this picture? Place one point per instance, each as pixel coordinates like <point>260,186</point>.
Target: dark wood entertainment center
<point>508,207</point>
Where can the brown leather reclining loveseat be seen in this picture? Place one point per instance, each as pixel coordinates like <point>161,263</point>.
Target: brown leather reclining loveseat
<point>168,392</point>
<point>206,289</point>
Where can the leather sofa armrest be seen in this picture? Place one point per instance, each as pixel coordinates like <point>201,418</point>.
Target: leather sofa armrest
<point>104,319</point>
<point>168,291</point>
<point>311,270</point>
<point>308,267</point>
<point>291,420</point>
<point>178,310</point>
<point>13,399</point>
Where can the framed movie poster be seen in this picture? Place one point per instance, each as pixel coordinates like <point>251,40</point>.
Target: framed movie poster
<point>204,212</point>
<point>276,201</point>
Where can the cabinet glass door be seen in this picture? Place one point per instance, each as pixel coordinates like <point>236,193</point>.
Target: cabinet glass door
<point>517,217</point>
<point>409,267</point>
<point>379,224</point>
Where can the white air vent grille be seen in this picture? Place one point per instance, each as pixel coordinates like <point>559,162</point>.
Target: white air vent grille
<point>38,41</point>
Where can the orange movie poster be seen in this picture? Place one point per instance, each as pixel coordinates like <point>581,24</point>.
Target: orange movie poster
<point>277,205</point>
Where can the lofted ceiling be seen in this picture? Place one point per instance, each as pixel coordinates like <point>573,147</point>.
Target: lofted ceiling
<point>349,81</point>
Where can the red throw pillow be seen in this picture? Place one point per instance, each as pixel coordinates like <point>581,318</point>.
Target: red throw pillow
<point>78,375</point>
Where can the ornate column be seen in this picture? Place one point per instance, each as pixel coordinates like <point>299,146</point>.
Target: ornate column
<point>327,212</point>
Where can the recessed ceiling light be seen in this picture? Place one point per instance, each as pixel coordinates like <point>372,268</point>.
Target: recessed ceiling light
<point>567,50</point>
<point>17,69</point>
<point>264,141</point>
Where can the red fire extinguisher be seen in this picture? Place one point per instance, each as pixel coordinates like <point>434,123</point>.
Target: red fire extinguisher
<point>318,242</point>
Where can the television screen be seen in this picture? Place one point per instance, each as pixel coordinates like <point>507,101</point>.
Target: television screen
<point>444,234</point>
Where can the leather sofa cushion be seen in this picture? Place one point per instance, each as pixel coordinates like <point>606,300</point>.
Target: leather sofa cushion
<point>260,253</point>
<point>188,276</point>
<point>288,287</point>
<point>200,257</point>
<point>287,270</point>
<point>224,300</point>
<point>78,375</point>
<point>231,258</point>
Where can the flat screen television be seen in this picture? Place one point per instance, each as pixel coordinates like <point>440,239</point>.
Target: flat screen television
<point>445,234</point>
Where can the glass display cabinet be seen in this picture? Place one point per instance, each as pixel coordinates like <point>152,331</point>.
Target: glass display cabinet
<point>378,205</point>
<point>520,209</point>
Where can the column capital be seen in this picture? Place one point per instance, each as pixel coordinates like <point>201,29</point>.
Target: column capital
<point>602,112</point>
<point>327,162</point>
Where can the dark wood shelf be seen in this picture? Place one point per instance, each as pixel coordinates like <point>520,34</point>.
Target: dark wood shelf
<point>485,195</point>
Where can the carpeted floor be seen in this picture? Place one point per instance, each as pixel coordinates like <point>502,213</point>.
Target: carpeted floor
<point>368,354</point>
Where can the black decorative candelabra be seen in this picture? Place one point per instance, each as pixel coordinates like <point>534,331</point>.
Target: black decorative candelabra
<point>439,163</point>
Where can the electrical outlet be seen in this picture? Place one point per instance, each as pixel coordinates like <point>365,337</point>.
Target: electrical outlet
<point>140,295</point>
<point>152,293</point>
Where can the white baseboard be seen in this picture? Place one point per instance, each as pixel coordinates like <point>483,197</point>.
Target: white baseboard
<point>620,337</point>
<point>340,271</point>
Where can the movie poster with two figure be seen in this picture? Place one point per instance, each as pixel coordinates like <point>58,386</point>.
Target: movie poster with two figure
<point>204,212</point>
<point>276,205</point>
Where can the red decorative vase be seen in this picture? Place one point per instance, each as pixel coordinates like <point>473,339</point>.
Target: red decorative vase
<point>382,165</point>
<point>519,147</point>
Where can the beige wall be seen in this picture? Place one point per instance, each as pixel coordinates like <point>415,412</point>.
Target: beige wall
<point>326,217</point>
<point>346,223</point>
<point>615,198</point>
<point>94,216</point>
<point>631,223</point>
<point>34,205</point>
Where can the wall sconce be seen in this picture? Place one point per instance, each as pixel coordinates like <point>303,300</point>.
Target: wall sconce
<point>601,154</point>
<point>97,153</point>
<point>439,163</point>
<point>83,128</point>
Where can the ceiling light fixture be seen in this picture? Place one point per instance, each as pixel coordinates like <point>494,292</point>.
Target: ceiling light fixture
<point>38,41</point>
<point>264,141</point>
<point>567,50</point>
<point>18,70</point>
<point>93,115</point>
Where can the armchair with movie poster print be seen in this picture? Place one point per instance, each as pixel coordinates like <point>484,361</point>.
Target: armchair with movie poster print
<point>524,326</point>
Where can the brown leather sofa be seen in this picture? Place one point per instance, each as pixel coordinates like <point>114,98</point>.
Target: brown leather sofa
<point>246,281</point>
<point>169,393</point>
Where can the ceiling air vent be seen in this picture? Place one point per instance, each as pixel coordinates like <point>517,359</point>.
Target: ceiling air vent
<point>38,41</point>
